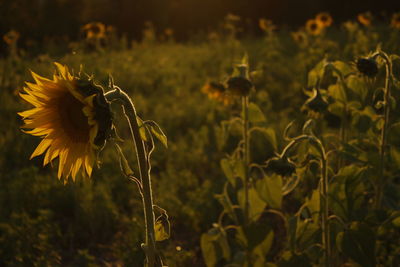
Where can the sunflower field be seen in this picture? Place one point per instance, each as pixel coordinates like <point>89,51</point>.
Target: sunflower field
<point>282,150</point>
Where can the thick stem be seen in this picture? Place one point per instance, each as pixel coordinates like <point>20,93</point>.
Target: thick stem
<point>246,155</point>
<point>383,142</point>
<point>325,210</point>
<point>130,112</point>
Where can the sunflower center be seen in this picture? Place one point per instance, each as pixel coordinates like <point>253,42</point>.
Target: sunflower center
<point>73,120</point>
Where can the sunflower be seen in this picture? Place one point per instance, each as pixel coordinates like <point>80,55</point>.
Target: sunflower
<point>314,27</point>
<point>11,37</point>
<point>396,21</point>
<point>266,25</point>
<point>365,18</point>
<point>324,19</point>
<point>72,117</point>
<point>217,91</point>
<point>94,30</point>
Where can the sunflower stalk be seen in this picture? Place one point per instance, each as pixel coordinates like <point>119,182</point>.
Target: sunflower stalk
<point>380,183</point>
<point>130,112</point>
<point>324,182</point>
<point>246,156</point>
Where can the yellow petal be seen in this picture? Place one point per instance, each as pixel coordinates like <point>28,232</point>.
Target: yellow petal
<point>41,148</point>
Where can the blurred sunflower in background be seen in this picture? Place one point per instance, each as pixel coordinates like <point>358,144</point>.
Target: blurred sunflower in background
<point>11,37</point>
<point>314,27</point>
<point>300,37</point>
<point>365,18</point>
<point>324,18</point>
<point>72,117</point>
<point>94,30</point>
<point>218,92</point>
<point>395,23</point>
<point>266,25</point>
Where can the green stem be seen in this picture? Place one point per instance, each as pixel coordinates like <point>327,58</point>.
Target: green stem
<point>130,113</point>
<point>383,141</point>
<point>325,209</point>
<point>246,155</point>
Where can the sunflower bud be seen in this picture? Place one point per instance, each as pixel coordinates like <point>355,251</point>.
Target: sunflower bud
<point>367,66</point>
<point>316,102</point>
<point>281,166</point>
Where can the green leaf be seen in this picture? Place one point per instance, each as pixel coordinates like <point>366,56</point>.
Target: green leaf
<point>314,204</point>
<point>343,67</point>
<point>142,129</point>
<point>358,86</point>
<point>307,233</point>
<point>269,189</point>
<point>316,73</point>
<point>126,169</point>
<point>255,114</point>
<point>337,92</point>
<point>214,246</point>
<point>256,205</point>
<point>264,247</point>
<point>228,169</point>
<point>358,243</point>
<point>162,227</point>
<point>395,155</point>
<point>157,132</point>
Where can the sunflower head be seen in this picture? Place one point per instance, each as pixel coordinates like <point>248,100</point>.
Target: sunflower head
<point>280,165</point>
<point>266,25</point>
<point>324,19</point>
<point>367,66</point>
<point>11,37</point>
<point>395,23</point>
<point>365,18</point>
<point>314,27</point>
<point>94,30</point>
<point>72,117</point>
<point>316,103</point>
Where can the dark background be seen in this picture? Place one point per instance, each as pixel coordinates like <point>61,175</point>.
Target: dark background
<point>39,18</point>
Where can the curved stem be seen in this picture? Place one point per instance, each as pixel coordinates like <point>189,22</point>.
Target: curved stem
<point>130,113</point>
<point>324,211</point>
<point>383,142</point>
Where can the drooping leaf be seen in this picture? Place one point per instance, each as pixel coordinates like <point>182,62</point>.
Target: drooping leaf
<point>156,130</point>
<point>126,169</point>
<point>162,227</point>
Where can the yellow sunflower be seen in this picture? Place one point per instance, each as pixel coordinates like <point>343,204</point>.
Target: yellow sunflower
<point>266,25</point>
<point>396,20</point>
<point>365,18</point>
<point>314,27</point>
<point>324,19</point>
<point>72,117</point>
<point>94,30</point>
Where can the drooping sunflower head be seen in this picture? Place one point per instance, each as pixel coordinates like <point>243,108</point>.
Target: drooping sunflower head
<point>72,117</point>
<point>365,18</point>
<point>325,19</point>
<point>395,23</point>
<point>314,27</point>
